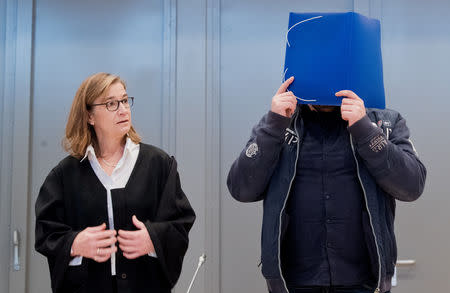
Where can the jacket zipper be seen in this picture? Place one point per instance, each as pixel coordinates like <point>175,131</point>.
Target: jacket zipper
<point>284,205</point>
<point>377,290</point>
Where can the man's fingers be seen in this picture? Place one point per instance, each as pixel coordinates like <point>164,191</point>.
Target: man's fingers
<point>287,99</point>
<point>284,103</point>
<point>287,105</point>
<point>348,101</point>
<point>285,85</point>
<point>347,108</point>
<point>284,108</point>
<point>347,93</point>
<point>292,100</point>
<point>289,93</point>
<point>291,106</point>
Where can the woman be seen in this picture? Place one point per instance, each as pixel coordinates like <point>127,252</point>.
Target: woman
<point>111,217</point>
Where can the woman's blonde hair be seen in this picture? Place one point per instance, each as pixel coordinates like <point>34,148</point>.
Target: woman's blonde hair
<point>79,133</point>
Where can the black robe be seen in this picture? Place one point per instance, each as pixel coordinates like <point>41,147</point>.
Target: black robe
<point>72,198</point>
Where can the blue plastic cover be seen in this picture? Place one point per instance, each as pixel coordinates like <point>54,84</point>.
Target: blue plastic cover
<point>329,52</point>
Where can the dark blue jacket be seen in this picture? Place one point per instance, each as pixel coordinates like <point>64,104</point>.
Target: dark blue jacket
<point>388,169</point>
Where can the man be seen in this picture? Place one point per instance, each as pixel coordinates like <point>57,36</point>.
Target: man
<point>329,178</point>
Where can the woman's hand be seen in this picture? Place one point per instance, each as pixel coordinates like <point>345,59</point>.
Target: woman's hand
<point>95,243</point>
<point>135,243</point>
<point>284,103</point>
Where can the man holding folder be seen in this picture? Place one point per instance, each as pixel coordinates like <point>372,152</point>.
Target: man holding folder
<point>328,169</point>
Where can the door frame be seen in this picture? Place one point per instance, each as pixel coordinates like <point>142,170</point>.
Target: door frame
<point>16,129</point>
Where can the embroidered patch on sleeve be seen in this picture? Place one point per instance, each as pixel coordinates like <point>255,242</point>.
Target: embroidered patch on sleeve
<point>252,150</point>
<point>378,143</point>
<point>290,136</point>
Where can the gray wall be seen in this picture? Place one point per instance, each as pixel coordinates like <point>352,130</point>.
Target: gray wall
<point>416,55</point>
<point>4,200</point>
<point>203,73</point>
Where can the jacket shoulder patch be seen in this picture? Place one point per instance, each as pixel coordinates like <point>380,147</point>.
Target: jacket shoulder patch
<point>252,150</point>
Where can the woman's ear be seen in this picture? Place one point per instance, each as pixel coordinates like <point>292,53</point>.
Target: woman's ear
<point>91,119</point>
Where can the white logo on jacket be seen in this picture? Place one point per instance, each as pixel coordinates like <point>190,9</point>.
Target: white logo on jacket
<point>290,136</point>
<point>252,150</point>
<point>378,143</point>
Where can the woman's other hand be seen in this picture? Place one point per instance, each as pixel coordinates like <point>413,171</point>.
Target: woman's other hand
<point>135,243</point>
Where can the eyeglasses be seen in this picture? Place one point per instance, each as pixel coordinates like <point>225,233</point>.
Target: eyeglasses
<point>113,105</point>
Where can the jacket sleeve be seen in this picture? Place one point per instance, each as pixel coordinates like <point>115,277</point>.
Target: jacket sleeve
<point>392,160</point>
<point>251,171</point>
<point>169,230</point>
<point>53,237</point>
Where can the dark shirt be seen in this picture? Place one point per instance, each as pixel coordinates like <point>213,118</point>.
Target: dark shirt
<point>324,243</point>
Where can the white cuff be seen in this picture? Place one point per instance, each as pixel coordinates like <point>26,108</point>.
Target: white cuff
<point>76,261</point>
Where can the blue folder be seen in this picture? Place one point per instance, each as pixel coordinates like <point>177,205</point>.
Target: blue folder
<point>329,52</point>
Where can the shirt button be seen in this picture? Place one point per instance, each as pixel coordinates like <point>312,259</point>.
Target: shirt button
<point>329,221</point>
<point>329,244</point>
<point>124,276</point>
<point>327,196</point>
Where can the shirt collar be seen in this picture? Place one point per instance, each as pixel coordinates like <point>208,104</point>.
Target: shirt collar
<point>89,151</point>
<point>129,147</point>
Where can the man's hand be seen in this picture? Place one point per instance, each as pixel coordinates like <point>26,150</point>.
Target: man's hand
<point>135,243</point>
<point>352,107</point>
<point>95,243</point>
<point>284,103</point>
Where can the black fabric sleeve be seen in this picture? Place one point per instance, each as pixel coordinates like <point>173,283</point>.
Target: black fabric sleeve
<point>53,237</point>
<point>251,171</point>
<point>392,161</point>
<point>170,228</point>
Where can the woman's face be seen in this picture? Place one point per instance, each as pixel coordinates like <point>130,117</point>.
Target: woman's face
<point>111,124</point>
